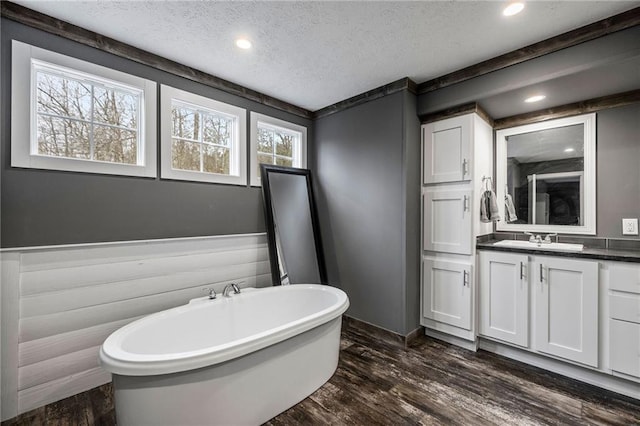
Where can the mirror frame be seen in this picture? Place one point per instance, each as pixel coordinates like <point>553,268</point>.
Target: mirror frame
<point>265,171</point>
<point>588,226</point>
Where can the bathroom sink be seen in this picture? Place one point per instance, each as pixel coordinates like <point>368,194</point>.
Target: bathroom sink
<point>540,246</point>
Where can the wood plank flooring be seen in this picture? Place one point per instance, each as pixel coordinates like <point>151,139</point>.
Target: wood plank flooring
<point>380,383</point>
<point>90,408</point>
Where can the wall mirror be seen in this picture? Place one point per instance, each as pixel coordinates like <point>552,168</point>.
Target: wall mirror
<point>546,175</point>
<point>295,249</point>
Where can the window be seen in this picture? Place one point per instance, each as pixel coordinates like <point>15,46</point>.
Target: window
<point>276,142</point>
<point>202,139</point>
<point>68,114</point>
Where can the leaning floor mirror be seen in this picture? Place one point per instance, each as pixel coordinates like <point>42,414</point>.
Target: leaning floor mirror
<point>295,248</point>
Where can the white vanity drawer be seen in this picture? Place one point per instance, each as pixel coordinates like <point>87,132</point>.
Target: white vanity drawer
<point>625,347</point>
<point>625,307</point>
<point>625,277</point>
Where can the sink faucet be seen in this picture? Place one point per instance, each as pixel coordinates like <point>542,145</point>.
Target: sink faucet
<point>229,287</point>
<point>533,238</point>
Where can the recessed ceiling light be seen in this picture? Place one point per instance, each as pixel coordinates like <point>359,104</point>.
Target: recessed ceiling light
<point>243,43</point>
<point>536,98</point>
<point>513,8</point>
<point>569,150</point>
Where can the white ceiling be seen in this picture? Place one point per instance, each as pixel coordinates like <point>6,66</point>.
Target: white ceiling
<point>316,53</point>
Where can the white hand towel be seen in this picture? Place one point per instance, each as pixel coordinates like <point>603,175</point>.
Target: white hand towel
<point>494,214</point>
<point>485,201</point>
<point>510,209</point>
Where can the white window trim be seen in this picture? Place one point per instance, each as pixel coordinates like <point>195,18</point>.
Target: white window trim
<point>167,95</point>
<point>23,112</point>
<point>300,155</point>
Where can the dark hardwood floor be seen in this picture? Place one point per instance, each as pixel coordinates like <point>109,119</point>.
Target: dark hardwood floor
<point>435,383</point>
<point>94,407</point>
<point>380,383</point>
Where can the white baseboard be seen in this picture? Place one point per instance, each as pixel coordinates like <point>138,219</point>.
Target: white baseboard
<point>592,377</point>
<point>471,345</point>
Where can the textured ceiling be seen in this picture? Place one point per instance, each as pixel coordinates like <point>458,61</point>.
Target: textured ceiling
<point>316,53</point>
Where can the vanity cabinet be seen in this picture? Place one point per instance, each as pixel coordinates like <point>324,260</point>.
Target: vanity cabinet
<point>447,292</point>
<point>624,319</point>
<point>504,297</point>
<point>555,297</point>
<point>446,150</point>
<point>565,293</point>
<point>447,221</point>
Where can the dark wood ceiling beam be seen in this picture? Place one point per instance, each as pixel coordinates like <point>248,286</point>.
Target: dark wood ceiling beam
<point>598,29</point>
<point>83,36</point>
<point>577,108</point>
<point>472,107</point>
<point>568,110</point>
<point>373,94</point>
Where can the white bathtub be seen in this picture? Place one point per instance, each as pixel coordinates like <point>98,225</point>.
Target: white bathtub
<point>236,360</point>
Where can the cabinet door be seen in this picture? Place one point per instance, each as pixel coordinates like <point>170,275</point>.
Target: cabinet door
<point>566,308</point>
<point>624,327</point>
<point>447,292</point>
<point>447,221</point>
<point>446,150</point>
<point>625,347</point>
<point>504,297</point>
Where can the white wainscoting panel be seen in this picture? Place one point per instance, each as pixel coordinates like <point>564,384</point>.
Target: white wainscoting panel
<point>60,303</point>
<point>9,279</point>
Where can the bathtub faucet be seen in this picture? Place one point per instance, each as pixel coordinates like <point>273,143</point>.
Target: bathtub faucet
<point>229,287</point>
<point>212,293</point>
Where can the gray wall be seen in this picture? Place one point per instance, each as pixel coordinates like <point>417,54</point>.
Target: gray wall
<point>362,184</point>
<point>49,207</point>
<point>618,168</point>
<point>568,74</point>
<point>412,187</point>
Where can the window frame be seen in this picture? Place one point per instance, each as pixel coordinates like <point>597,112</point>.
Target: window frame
<point>25,59</point>
<point>239,152</point>
<point>300,153</point>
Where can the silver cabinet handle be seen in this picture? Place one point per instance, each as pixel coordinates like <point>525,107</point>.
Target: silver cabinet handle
<point>465,278</point>
<point>464,167</point>
<point>541,269</point>
<point>465,204</point>
<point>522,270</point>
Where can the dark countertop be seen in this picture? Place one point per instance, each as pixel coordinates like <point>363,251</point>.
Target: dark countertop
<point>620,255</point>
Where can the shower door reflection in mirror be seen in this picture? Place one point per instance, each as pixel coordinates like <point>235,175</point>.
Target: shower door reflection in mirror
<point>295,250</point>
<point>547,171</point>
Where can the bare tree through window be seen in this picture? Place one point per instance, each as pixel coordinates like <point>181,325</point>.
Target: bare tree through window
<point>201,139</point>
<point>84,119</point>
<point>276,146</point>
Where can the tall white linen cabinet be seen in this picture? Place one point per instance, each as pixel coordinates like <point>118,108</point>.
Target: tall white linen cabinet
<point>457,153</point>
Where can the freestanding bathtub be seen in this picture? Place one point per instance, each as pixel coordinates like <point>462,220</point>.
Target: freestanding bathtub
<point>232,361</point>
